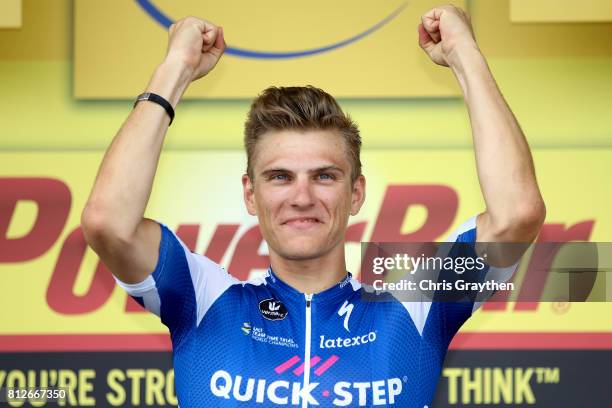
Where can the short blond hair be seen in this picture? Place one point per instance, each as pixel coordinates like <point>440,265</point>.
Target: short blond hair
<point>300,108</point>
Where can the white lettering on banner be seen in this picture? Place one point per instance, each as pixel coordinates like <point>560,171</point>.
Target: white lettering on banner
<point>282,392</point>
<point>340,342</point>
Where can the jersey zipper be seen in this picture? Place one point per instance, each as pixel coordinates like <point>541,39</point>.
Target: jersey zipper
<point>308,297</point>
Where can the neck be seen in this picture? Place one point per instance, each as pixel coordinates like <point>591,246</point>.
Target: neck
<point>311,275</point>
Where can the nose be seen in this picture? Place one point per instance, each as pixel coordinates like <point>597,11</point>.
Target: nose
<point>303,195</point>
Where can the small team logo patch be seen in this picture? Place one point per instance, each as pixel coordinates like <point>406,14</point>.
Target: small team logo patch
<point>246,328</point>
<point>273,309</point>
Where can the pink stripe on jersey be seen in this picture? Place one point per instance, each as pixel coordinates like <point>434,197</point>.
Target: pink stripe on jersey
<point>328,363</point>
<point>313,362</point>
<point>286,365</point>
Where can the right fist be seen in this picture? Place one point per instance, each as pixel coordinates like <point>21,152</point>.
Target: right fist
<point>196,43</point>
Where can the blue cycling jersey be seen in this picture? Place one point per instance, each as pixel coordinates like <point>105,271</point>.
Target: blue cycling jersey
<point>262,343</point>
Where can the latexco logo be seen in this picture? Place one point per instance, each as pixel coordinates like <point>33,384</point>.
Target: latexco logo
<point>283,392</point>
<point>343,342</point>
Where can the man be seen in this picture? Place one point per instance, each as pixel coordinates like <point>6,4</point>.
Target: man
<point>302,334</point>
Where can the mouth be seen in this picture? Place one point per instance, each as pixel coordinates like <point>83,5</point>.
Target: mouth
<point>302,222</point>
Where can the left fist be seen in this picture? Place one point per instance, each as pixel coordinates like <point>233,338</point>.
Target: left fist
<point>444,31</point>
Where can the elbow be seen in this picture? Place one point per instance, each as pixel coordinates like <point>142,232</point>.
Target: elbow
<point>92,225</point>
<point>532,214</point>
<point>524,222</point>
<point>532,220</point>
<point>99,229</point>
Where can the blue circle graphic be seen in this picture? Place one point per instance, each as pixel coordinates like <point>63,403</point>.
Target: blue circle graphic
<point>166,22</point>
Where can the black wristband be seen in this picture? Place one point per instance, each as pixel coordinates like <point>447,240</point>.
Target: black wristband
<point>149,96</point>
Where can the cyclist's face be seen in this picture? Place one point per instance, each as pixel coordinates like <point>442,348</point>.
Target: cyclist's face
<point>302,193</point>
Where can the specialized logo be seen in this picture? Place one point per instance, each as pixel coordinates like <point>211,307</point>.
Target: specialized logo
<point>273,309</point>
<point>283,392</point>
<point>345,310</point>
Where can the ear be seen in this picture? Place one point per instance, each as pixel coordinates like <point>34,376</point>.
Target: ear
<point>358,195</point>
<point>248,190</point>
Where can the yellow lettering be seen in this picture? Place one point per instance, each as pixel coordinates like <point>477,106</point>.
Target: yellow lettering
<point>170,394</point>
<point>522,389</point>
<point>135,375</point>
<point>67,379</point>
<point>502,385</point>
<point>86,376</point>
<point>114,379</point>
<point>16,379</point>
<point>486,384</point>
<point>154,384</point>
<point>453,377</point>
<point>469,385</point>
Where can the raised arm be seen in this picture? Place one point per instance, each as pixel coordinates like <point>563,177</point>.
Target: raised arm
<point>515,210</point>
<point>112,219</point>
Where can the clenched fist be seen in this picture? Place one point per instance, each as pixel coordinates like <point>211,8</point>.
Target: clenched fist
<point>196,43</point>
<point>445,32</point>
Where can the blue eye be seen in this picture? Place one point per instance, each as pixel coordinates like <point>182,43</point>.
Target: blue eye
<point>280,177</point>
<point>326,176</point>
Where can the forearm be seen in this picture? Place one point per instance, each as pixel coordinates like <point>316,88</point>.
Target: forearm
<point>504,163</point>
<point>125,178</point>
